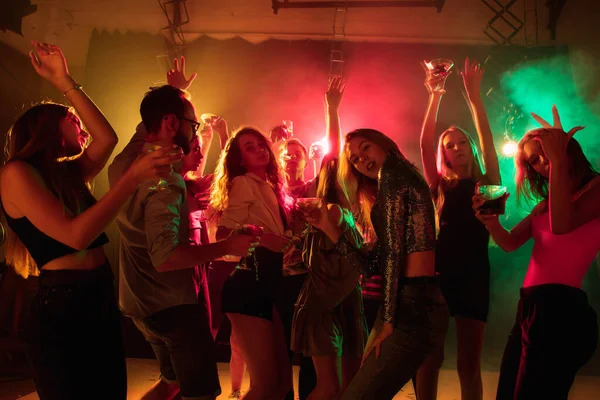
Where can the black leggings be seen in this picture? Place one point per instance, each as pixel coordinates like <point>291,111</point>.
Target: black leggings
<point>555,334</point>
<point>73,335</point>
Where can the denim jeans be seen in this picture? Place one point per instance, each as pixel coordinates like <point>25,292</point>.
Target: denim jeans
<point>73,337</point>
<point>182,342</point>
<point>555,334</point>
<point>421,327</point>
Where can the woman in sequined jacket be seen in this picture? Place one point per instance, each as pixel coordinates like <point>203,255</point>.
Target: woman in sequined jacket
<point>414,312</point>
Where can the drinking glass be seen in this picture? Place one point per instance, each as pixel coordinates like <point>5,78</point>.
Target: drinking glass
<point>161,185</point>
<point>494,199</point>
<point>307,205</point>
<point>289,124</point>
<point>440,66</point>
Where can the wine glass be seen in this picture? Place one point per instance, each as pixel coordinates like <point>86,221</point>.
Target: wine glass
<point>307,205</point>
<point>440,66</point>
<point>161,185</point>
<point>289,124</point>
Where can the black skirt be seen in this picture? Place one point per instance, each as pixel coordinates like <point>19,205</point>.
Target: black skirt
<point>252,292</point>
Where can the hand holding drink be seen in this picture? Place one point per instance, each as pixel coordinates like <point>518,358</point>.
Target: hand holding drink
<point>439,66</point>
<point>436,72</point>
<point>489,202</point>
<point>162,184</point>
<point>493,199</point>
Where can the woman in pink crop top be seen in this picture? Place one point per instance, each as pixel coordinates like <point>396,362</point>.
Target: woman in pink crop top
<point>556,331</point>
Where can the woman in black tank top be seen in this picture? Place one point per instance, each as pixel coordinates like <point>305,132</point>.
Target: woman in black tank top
<point>73,333</point>
<point>462,245</point>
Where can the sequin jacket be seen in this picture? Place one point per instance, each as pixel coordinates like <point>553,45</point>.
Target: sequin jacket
<point>404,220</point>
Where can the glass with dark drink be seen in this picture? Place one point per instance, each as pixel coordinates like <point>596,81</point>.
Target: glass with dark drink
<point>494,199</point>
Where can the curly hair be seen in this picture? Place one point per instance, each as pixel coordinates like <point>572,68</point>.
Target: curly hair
<point>229,167</point>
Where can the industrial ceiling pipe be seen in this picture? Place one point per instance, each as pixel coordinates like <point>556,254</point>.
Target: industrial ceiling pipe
<point>438,4</point>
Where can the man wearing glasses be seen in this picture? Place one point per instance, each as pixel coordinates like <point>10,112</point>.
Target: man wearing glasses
<point>156,286</point>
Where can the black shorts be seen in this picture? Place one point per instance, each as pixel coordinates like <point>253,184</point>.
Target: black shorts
<point>182,342</point>
<point>244,294</point>
<point>467,295</point>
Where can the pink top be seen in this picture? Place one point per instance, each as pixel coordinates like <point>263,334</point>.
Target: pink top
<point>562,259</point>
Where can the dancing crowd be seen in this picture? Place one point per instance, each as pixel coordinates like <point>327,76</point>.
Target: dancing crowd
<point>354,274</point>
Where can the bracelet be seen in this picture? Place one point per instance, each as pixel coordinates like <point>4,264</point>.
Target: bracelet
<point>76,87</point>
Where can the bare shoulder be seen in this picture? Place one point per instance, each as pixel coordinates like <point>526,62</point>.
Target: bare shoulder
<point>15,173</point>
<point>17,179</point>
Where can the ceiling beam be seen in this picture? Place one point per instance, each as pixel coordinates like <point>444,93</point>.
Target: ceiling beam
<point>278,4</point>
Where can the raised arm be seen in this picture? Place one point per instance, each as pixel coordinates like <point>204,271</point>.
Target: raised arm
<point>566,213</point>
<point>176,75</point>
<point>333,99</point>
<point>30,197</point>
<point>472,76</point>
<point>435,87</point>
<point>49,62</point>
<point>213,124</point>
<point>220,126</point>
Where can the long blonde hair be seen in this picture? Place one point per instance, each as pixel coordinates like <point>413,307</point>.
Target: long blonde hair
<point>360,190</point>
<point>447,177</point>
<point>36,139</point>
<point>533,187</point>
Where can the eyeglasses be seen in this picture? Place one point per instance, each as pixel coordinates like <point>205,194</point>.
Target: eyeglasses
<point>195,124</point>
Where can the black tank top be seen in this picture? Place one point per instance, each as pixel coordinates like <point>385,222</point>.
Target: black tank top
<point>42,247</point>
<point>462,244</point>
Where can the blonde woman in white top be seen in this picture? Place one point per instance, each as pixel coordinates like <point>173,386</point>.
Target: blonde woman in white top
<point>248,189</point>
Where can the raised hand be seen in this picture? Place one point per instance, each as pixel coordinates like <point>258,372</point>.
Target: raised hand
<point>472,76</point>
<point>434,83</point>
<point>220,126</point>
<point>50,63</point>
<point>278,133</point>
<point>176,76</point>
<point>316,151</point>
<point>335,92</point>
<point>556,124</point>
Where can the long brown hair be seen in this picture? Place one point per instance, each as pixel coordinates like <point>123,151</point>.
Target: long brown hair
<point>360,190</point>
<point>36,139</point>
<point>447,177</point>
<point>533,187</point>
<point>229,167</point>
